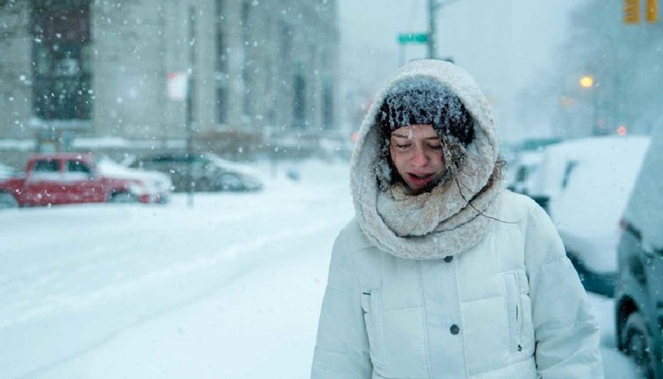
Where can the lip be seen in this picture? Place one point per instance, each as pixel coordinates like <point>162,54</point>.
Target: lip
<point>420,180</point>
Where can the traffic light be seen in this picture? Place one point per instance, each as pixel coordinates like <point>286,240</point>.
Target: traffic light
<point>652,11</point>
<point>632,11</point>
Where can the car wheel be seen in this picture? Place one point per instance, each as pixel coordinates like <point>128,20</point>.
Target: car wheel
<point>7,200</point>
<point>123,198</point>
<point>637,343</point>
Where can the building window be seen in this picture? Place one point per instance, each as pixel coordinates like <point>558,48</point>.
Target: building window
<point>219,11</point>
<point>62,88</point>
<point>327,104</point>
<point>300,101</point>
<point>285,44</point>
<point>221,68</point>
<point>221,105</point>
<point>248,63</point>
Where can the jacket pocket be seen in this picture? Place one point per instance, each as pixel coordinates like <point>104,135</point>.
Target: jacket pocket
<point>515,312</point>
<point>371,305</point>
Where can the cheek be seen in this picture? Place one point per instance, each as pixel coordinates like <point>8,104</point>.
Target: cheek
<point>393,154</point>
<point>396,159</point>
<point>439,159</point>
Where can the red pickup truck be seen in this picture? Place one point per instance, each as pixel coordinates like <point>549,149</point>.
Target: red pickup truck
<point>68,178</point>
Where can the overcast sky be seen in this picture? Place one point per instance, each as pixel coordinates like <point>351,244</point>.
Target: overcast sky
<point>503,43</point>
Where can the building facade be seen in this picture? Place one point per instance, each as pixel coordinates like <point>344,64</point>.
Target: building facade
<point>109,68</point>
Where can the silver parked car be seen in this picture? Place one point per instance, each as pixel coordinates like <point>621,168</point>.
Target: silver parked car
<point>639,292</point>
<point>209,172</point>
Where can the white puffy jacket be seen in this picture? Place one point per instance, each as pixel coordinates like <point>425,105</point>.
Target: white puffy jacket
<point>510,307</point>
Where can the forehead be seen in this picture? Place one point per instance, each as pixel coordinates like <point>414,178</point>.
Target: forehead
<point>424,131</point>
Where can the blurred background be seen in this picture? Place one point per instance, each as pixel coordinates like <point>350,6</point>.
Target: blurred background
<point>220,132</point>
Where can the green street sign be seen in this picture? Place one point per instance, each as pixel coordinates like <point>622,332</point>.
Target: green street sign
<point>412,38</point>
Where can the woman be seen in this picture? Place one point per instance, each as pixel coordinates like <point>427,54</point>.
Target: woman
<point>443,274</point>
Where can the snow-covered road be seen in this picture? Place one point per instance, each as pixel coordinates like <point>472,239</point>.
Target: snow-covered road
<point>230,288</point>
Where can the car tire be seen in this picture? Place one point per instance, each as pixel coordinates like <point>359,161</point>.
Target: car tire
<point>637,343</point>
<point>123,198</point>
<point>7,200</point>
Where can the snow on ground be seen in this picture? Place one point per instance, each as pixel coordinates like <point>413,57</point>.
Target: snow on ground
<point>230,288</point>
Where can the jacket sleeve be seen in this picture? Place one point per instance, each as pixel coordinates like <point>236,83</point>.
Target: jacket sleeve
<point>566,331</point>
<point>341,350</point>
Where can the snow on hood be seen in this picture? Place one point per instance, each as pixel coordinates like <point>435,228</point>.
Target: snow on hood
<point>156,180</point>
<point>461,83</point>
<point>485,145</point>
<point>600,175</point>
<point>445,201</point>
<point>232,166</point>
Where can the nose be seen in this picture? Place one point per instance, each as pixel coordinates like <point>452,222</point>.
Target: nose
<point>419,158</point>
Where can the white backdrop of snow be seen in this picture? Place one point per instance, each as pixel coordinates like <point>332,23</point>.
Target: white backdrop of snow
<point>230,288</point>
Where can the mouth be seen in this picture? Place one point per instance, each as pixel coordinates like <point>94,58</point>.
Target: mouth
<point>420,179</point>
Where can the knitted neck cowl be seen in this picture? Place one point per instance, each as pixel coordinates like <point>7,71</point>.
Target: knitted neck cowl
<point>456,214</point>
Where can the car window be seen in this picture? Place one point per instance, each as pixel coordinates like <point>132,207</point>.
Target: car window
<point>46,170</point>
<point>568,170</point>
<point>45,166</point>
<point>78,167</point>
<point>163,159</point>
<point>521,175</point>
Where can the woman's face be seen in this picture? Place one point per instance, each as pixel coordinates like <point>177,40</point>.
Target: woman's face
<point>416,152</point>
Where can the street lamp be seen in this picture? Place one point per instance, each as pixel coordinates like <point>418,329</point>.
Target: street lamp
<point>587,81</point>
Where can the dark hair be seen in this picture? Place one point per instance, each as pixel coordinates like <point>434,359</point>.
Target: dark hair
<point>422,100</point>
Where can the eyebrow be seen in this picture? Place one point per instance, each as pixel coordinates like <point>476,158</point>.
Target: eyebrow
<point>406,136</point>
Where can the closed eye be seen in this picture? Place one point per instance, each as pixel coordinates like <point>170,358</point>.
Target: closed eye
<point>402,147</point>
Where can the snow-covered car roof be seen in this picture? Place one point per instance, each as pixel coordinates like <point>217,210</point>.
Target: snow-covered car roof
<point>590,181</point>
<point>231,166</point>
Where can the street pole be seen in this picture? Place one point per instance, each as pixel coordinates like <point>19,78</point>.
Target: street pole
<point>433,7</point>
<point>595,114</point>
<point>589,83</point>
<point>432,29</point>
<point>272,151</point>
<point>189,105</point>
